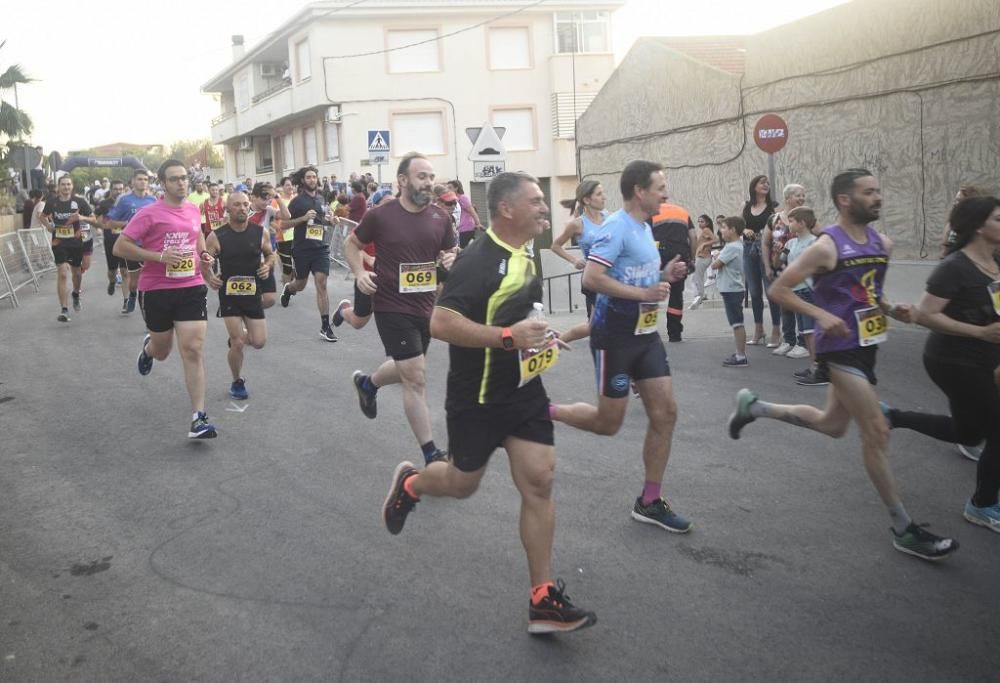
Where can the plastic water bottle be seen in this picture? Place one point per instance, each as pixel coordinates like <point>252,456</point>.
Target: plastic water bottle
<point>536,314</point>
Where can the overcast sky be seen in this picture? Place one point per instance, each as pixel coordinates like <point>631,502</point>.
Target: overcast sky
<point>134,74</point>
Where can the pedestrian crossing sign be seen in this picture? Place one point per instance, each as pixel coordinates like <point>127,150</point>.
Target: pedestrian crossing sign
<point>378,141</point>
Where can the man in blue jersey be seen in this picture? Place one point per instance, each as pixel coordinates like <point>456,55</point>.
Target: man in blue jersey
<point>623,268</point>
<point>118,217</point>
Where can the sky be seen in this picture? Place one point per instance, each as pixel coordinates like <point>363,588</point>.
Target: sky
<point>135,75</point>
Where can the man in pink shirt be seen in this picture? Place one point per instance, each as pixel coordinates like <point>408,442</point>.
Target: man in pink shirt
<point>172,290</point>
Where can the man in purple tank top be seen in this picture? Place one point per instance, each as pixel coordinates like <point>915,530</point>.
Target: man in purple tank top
<point>848,264</point>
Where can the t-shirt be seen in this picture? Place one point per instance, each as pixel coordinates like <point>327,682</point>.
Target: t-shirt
<point>466,220</point>
<point>754,222</point>
<point>59,210</point>
<point>793,249</point>
<point>626,247</point>
<point>198,199</point>
<point>408,243</point>
<point>102,209</point>
<point>730,277</point>
<point>300,206</point>
<point>159,226</point>
<point>491,283</point>
<point>357,208</point>
<point>957,279</point>
<point>36,214</point>
<point>128,205</point>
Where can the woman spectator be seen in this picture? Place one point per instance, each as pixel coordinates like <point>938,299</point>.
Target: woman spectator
<point>468,220</point>
<point>359,202</point>
<point>756,212</point>
<point>702,257</point>
<point>964,192</point>
<point>961,307</point>
<point>776,235</point>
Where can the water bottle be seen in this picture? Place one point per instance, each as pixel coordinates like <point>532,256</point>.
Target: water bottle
<point>536,314</point>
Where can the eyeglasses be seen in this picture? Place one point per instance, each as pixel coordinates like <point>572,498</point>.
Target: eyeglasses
<point>449,203</point>
<point>177,178</point>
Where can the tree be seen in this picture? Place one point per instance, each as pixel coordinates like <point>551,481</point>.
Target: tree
<point>190,151</point>
<point>14,123</point>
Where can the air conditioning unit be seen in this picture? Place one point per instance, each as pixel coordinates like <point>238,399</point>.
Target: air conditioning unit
<point>333,114</point>
<point>246,142</point>
<point>269,70</point>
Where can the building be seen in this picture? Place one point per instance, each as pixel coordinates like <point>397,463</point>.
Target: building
<point>906,88</point>
<point>425,70</point>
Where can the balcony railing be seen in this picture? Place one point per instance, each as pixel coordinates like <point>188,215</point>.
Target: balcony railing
<point>222,117</point>
<point>274,89</point>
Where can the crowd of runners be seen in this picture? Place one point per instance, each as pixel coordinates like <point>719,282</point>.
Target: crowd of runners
<point>421,277</point>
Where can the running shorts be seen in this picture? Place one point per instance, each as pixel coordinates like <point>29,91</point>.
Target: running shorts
<point>478,430</point>
<point>311,260</point>
<point>163,307</point>
<point>629,359</point>
<point>403,336</point>
<point>859,362</point>
<point>71,255</point>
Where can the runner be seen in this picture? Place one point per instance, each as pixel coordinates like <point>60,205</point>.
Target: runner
<point>264,213</point>
<point>412,235</point>
<point>848,264</point>
<point>961,307</point>
<point>65,216</point>
<point>624,269</point>
<point>173,291</point>
<point>493,400</point>
<point>214,210</point>
<point>285,234</point>
<point>311,246</point>
<point>238,246</point>
<point>118,217</point>
<point>359,313</point>
<point>588,214</point>
<point>117,270</point>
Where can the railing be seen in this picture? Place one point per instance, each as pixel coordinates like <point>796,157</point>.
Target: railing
<point>274,89</point>
<point>547,282</point>
<point>222,117</point>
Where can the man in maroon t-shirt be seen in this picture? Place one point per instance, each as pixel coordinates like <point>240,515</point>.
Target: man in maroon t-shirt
<point>412,236</point>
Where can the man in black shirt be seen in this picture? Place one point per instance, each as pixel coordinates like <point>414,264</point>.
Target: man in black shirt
<point>64,216</point>
<point>495,397</point>
<point>310,246</point>
<point>116,265</point>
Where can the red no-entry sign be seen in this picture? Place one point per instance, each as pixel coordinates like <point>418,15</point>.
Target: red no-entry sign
<point>770,133</point>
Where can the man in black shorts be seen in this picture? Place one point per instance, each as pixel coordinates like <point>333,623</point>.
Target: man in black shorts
<point>118,217</point>
<point>412,235</point>
<point>239,247</point>
<point>495,395</point>
<point>116,266</point>
<point>64,216</point>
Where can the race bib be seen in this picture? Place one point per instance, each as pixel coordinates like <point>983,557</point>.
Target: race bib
<point>534,362</point>
<point>65,232</point>
<point>646,321</point>
<point>994,288</point>
<point>873,327</point>
<point>116,231</point>
<point>215,225</point>
<point>314,232</point>
<point>288,235</point>
<point>241,285</point>
<point>183,269</point>
<point>417,277</point>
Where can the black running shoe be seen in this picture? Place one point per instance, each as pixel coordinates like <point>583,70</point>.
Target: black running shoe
<point>398,503</point>
<point>124,306</point>
<point>556,614</point>
<point>326,334</point>
<point>111,288</point>
<point>144,362</point>
<point>338,315</point>
<point>76,301</point>
<point>286,296</point>
<point>921,543</point>
<point>63,317</point>
<point>437,456</point>
<point>368,402</point>
<point>813,379</point>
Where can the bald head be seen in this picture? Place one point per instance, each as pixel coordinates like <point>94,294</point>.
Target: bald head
<point>238,206</point>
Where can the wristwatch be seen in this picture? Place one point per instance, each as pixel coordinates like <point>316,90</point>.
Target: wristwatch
<point>507,337</point>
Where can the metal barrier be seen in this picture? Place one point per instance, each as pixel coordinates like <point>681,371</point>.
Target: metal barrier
<point>6,288</point>
<point>16,263</point>
<point>547,281</point>
<point>341,230</point>
<point>37,244</point>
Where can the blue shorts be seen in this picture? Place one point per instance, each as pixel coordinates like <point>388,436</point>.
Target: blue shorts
<point>806,323</point>
<point>734,307</point>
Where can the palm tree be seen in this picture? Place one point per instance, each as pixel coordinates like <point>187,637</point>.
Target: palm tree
<point>14,123</point>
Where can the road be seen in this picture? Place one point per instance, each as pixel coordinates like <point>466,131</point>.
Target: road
<point>128,552</point>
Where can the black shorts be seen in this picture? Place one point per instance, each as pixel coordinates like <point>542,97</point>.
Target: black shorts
<point>116,262</point>
<point>88,247</point>
<point>403,336</point>
<point>161,308</point>
<point>241,306</point>
<point>72,255</point>
<point>268,285</point>
<point>636,358</point>
<point>362,303</point>
<point>475,432</point>
<point>859,362</point>
<point>285,256</point>
<point>311,260</point>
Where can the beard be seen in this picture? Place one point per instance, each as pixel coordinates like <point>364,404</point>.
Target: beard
<point>419,198</point>
<point>864,215</point>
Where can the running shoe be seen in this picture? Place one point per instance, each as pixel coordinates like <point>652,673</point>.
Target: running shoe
<point>145,361</point>
<point>63,316</point>
<point>988,517</point>
<point>660,514</point>
<point>238,390</point>
<point>124,306</point>
<point>734,362</point>
<point>437,456</point>
<point>798,352</point>
<point>130,305</point>
<point>338,316</point>
<point>784,348</point>
<point>76,301</point>
<point>398,504</point>
<point>556,614</point>
<point>201,428</point>
<point>921,543</point>
<point>111,288</point>
<point>286,296</point>
<point>798,374</point>
<point>366,400</point>
<point>326,334</point>
<point>973,453</point>
<point>741,417</point>
<point>811,379</point>
<point>696,303</point>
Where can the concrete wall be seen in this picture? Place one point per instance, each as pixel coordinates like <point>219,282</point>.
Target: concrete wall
<point>924,121</point>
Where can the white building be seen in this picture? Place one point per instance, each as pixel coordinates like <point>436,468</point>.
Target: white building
<point>424,70</point>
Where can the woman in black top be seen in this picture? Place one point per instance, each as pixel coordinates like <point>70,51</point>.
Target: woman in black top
<point>961,307</point>
<point>756,212</point>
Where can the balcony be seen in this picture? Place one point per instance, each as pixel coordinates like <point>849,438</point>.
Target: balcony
<point>224,127</point>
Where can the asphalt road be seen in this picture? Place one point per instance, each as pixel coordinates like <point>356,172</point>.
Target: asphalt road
<point>128,552</point>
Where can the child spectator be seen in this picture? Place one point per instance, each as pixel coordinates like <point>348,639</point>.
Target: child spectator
<point>732,286</point>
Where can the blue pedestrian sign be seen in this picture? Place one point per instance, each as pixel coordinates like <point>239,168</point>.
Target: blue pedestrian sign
<point>378,146</point>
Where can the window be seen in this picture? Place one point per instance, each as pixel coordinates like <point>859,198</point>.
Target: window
<point>582,32</point>
<point>332,134</point>
<point>509,48</point>
<point>567,107</point>
<point>243,92</point>
<point>416,59</point>
<point>419,132</point>
<point>309,140</point>
<point>262,147</point>
<point>520,125</point>
<point>288,151</point>
<point>303,66</point>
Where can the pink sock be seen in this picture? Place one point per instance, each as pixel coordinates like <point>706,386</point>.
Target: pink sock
<point>650,492</point>
<point>552,411</point>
